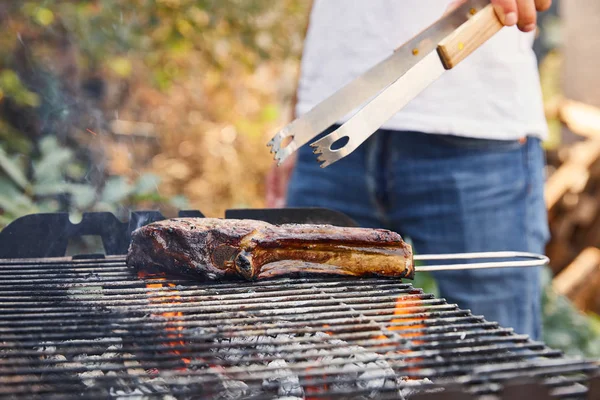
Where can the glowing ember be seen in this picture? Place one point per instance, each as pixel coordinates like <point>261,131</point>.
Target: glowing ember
<point>312,388</point>
<point>407,324</point>
<point>412,324</point>
<point>158,281</point>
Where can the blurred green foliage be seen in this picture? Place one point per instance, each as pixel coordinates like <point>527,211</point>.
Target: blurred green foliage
<point>48,47</point>
<point>11,86</point>
<point>164,31</point>
<point>55,180</point>
<point>566,328</point>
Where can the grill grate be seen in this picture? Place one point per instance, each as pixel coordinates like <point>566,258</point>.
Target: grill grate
<point>91,327</point>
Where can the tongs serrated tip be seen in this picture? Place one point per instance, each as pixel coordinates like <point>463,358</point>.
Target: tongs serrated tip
<point>324,148</point>
<point>281,153</point>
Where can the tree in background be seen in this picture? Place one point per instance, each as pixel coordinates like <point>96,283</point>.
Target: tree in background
<point>206,79</point>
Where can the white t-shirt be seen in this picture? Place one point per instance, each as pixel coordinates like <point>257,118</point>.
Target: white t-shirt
<point>494,94</point>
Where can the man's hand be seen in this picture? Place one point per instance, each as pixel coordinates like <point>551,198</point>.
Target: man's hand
<point>277,183</point>
<point>516,12</point>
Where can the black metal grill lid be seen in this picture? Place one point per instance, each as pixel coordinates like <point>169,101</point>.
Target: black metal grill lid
<point>48,235</point>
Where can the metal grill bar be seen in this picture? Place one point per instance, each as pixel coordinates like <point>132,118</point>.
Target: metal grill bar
<point>420,359</point>
<point>316,378</point>
<point>233,303</point>
<point>432,367</point>
<point>92,327</point>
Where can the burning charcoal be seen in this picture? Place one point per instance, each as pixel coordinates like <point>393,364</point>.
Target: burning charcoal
<point>134,371</point>
<point>290,398</point>
<point>57,357</point>
<point>361,369</point>
<point>45,348</point>
<point>126,394</point>
<point>158,384</point>
<point>233,390</point>
<point>138,389</point>
<point>368,377</point>
<point>112,351</point>
<point>376,378</point>
<point>240,345</point>
<point>90,361</point>
<point>286,382</point>
<point>411,387</point>
<point>88,377</point>
<point>100,346</point>
<point>266,343</point>
<point>236,353</point>
<point>227,388</point>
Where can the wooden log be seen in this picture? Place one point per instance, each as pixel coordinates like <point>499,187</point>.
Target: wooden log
<point>582,119</point>
<point>561,253</point>
<point>579,281</point>
<point>564,227</point>
<point>592,234</point>
<point>586,210</point>
<point>574,225</point>
<point>574,173</point>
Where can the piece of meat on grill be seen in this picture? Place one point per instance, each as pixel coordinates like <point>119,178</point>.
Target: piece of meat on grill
<point>215,249</point>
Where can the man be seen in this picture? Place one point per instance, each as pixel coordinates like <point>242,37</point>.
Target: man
<point>460,169</point>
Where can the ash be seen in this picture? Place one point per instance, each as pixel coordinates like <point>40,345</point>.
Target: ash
<point>411,387</point>
<point>282,382</point>
<point>114,369</point>
<point>353,368</point>
<point>284,379</point>
<point>366,371</point>
<point>129,380</point>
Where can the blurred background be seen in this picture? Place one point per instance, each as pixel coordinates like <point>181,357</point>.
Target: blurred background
<point>113,105</point>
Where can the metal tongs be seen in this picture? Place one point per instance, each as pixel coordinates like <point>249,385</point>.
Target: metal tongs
<point>390,85</point>
<point>527,260</point>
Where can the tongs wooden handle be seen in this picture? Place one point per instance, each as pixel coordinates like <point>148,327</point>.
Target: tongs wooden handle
<point>469,37</point>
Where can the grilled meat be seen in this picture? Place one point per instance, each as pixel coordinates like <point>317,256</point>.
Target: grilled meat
<point>225,248</point>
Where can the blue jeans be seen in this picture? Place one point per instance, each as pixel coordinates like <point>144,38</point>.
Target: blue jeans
<point>447,195</point>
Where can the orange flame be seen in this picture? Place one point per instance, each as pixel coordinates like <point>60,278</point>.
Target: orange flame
<point>330,333</point>
<point>314,388</point>
<point>412,324</point>
<point>158,281</point>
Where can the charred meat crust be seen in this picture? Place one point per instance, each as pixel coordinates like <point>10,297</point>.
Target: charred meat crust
<point>222,249</point>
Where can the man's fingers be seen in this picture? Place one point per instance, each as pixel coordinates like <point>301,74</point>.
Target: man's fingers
<point>527,15</point>
<point>543,5</point>
<point>507,11</point>
<point>523,13</point>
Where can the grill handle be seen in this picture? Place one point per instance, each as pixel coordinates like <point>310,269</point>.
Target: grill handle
<point>527,260</point>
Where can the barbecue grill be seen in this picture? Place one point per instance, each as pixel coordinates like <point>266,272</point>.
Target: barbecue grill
<point>87,326</point>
